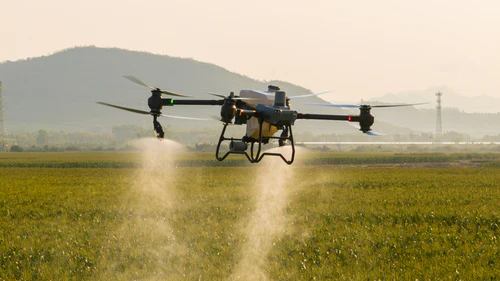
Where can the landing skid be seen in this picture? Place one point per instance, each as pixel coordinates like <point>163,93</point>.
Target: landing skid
<point>256,156</point>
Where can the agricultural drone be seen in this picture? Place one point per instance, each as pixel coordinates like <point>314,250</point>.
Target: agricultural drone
<point>264,113</point>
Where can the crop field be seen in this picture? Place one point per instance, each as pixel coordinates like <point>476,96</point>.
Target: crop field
<point>164,215</point>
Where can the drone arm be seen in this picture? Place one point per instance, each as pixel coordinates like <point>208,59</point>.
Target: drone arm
<point>350,118</point>
<point>365,119</point>
<point>171,102</point>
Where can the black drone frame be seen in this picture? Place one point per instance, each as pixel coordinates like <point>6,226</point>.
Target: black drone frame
<point>254,156</point>
<point>280,115</point>
<point>365,120</point>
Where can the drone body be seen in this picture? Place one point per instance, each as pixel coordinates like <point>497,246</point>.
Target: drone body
<point>265,113</point>
<point>272,105</point>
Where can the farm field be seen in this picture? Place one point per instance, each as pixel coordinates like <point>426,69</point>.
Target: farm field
<point>158,215</point>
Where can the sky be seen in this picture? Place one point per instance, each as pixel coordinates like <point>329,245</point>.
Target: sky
<point>357,49</point>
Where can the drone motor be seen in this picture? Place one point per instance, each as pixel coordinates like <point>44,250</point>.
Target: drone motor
<point>155,102</point>
<point>366,119</point>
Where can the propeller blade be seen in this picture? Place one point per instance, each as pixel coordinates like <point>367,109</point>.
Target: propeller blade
<point>239,98</point>
<point>217,95</point>
<point>137,81</point>
<point>215,118</point>
<point>375,134</point>
<point>396,105</point>
<point>353,125</point>
<point>125,108</point>
<point>335,105</point>
<point>372,106</point>
<point>173,94</point>
<point>234,98</point>
<point>182,117</point>
<point>309,95</point>
<point>218,119</point>
<point>371,133</point>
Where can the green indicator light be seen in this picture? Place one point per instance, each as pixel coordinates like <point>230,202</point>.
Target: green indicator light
<point>171,101</point>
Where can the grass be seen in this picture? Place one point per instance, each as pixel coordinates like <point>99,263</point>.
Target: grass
<point>417,223</point>
<point>172,222</point>
<point>206,159</point>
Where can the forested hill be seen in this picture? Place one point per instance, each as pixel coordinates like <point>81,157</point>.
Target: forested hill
<point>59,91</point>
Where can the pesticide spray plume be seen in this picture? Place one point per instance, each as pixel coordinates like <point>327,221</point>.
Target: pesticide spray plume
<point>158,150</point>
<point>268,221</point>
<point>146,233</point>
<point>157,177</point>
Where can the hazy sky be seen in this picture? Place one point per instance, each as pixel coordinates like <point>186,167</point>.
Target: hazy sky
<point>356,48</point>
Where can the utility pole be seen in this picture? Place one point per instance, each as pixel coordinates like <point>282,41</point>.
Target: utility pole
<point>439,127</point>
<point>3,127</point>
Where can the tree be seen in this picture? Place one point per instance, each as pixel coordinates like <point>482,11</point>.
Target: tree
<point>16,148</point>
<point>43,138</point>
<point>124,133</point>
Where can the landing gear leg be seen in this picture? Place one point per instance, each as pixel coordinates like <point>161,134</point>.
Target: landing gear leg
<point>256,156</point>
<point>157,127</point>
<point>283,137</point>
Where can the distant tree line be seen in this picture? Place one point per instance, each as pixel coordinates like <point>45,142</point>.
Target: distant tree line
<point>197,139</point>
<point>450,136</point>
<point>43,140</point>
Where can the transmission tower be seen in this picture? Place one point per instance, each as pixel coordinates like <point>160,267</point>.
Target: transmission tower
<point>3,128</point>
<point>439,128</point>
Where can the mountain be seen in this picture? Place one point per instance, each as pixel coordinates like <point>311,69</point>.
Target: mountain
<point>450,99</point>
<point>60,91</point>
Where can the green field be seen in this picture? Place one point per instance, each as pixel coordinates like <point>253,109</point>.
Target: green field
<point>158,216</point>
